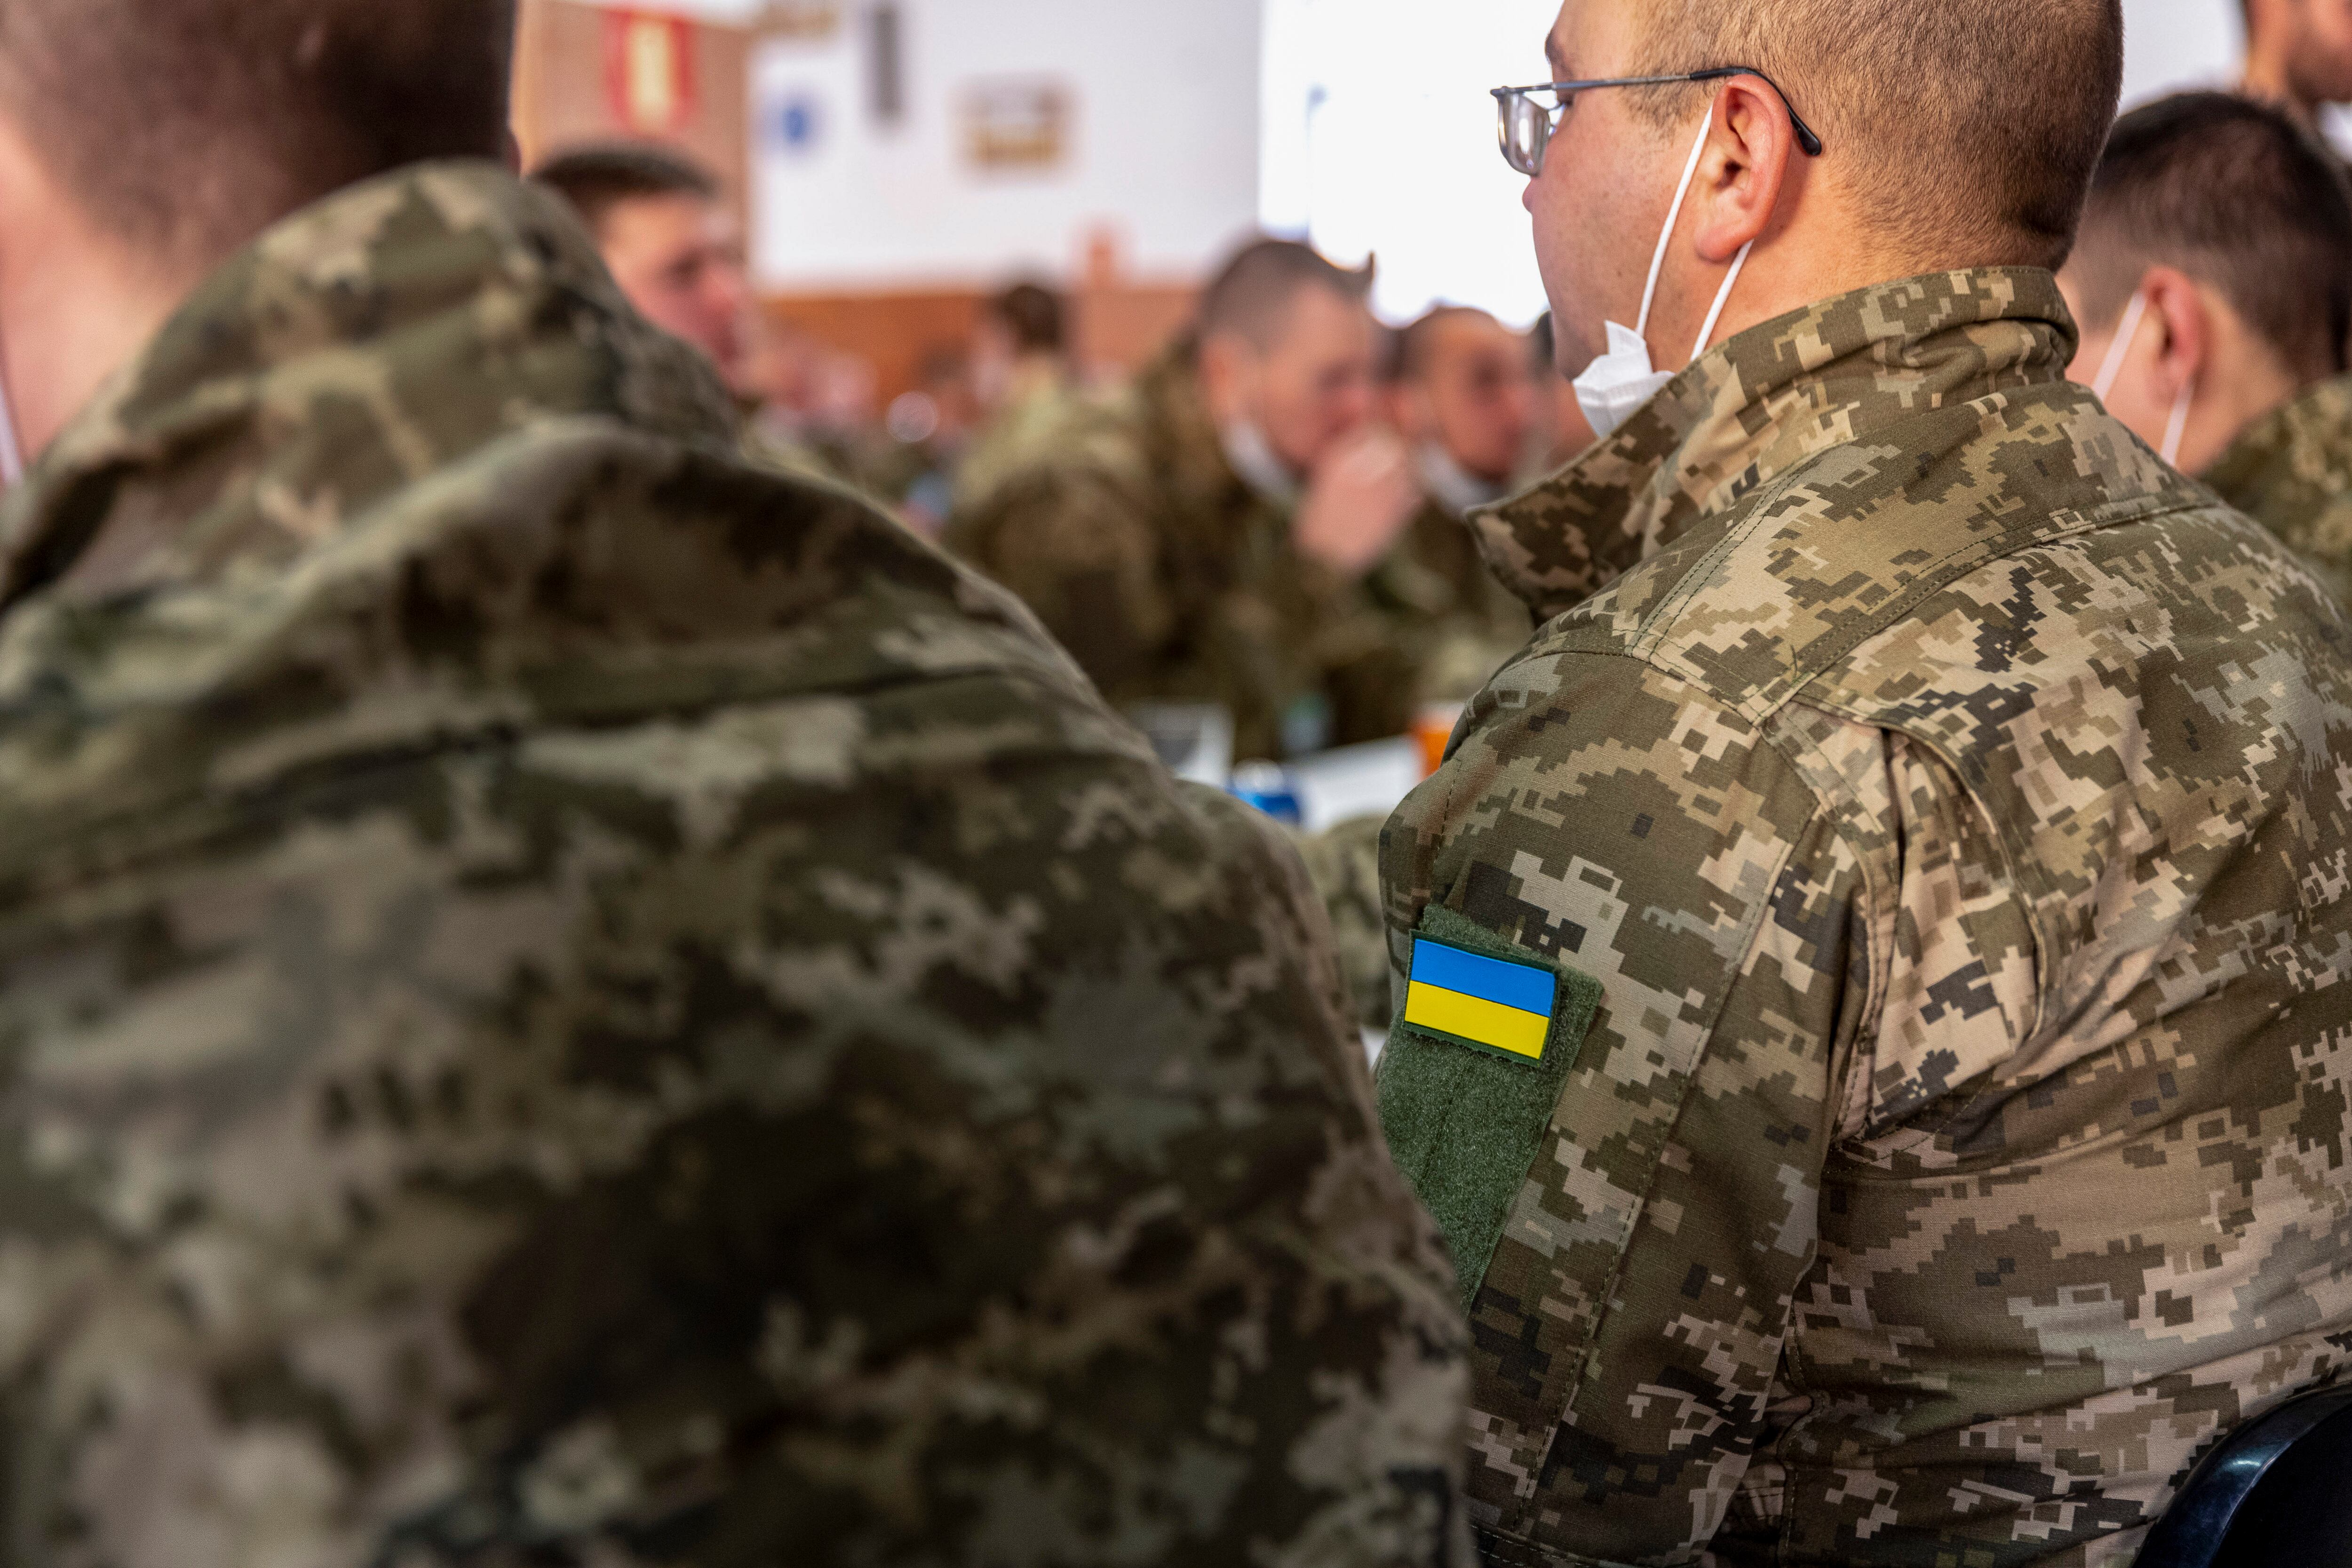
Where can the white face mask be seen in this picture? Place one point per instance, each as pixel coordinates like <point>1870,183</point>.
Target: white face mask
<point>1623,379</point>
<point>2109,372</point>
<point>1259,464</point>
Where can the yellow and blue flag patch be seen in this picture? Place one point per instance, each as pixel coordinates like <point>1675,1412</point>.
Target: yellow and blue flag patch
<point>1474,1000</point>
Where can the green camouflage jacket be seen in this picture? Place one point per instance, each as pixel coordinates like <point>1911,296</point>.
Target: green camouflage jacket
<point>567,1000</point>
<point>1877,1035</point>
<point>1171,581</point>
<point>2291,472</point>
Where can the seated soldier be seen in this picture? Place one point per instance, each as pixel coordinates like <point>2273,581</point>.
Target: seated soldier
<point>2213,283</point>
<point>1462,395</point>
<point>1024,382</point>
<point>572,1001</point>
<point>1877,1026</point>
<point>1204,542</point>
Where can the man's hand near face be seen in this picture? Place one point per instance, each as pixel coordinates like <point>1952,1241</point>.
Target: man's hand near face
<point>1357,502</point>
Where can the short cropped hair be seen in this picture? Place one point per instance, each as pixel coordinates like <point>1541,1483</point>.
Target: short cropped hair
<point>1966,132</point>
<point>2243,199</point>
<point>1416,345</point>
<point>1035,316</point>
<point>1251,298</point>
<point>184,128</point>
<point>597,179</point>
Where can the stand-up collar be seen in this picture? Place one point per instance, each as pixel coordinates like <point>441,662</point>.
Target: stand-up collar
<point>356,348</point>
<point>1765,401</point>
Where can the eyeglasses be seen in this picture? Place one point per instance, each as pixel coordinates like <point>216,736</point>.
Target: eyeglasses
<point>1528,126</point>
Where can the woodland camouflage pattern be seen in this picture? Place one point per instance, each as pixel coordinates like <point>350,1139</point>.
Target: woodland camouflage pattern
<point>568,1001</point>
<point>1171,581</point>
<point>1952,803</point>
<point>2291,472</point>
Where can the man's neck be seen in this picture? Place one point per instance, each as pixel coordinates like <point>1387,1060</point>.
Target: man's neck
<point>76,305</point>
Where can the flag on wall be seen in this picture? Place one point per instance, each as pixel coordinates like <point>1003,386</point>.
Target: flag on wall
<point>649,71</point>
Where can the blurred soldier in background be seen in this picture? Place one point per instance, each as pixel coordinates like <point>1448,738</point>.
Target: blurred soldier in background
<point>672,243</point>
<point>1462,397</point>
<point>2213,282</point>
<point>1024,384</point>
<point>1879,1020</point>
<point>2299,55</point>
<point>573,1000</point>
<point>1206,541</point>
<point>676,251</point>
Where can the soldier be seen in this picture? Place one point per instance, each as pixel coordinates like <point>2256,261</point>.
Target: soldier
<point>1876,1028</point>
<point>1205,543</point>
<point>2213,282</point>
<point>1024,382</point>
<point>2299,55</point>
<point>1462,395</point>
<point>570,1000</point>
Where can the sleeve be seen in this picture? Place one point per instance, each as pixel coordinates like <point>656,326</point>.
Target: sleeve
<point>1075,543</point>
<point>1634,1244</point>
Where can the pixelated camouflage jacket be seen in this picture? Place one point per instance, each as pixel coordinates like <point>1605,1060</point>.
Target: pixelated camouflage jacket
<point>1951,804</point>
<point>2291,472</point>
<point>1169,580</point>
<point>567,1000</point>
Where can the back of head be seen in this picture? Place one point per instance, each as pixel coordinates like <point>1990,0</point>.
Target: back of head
<point>1964,135</point>
<point>2241,198</point>
<point>1251,299</point>
<point>185,127</point>
<point>1034,317</point>
<point>597,179</point>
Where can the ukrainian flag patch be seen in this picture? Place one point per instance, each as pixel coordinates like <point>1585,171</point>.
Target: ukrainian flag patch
<point>1471,999</point>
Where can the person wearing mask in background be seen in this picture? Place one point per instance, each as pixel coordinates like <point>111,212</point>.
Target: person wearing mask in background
<point>1205,542</point>
<point>1024,384</point>
<point>1877,1019</point>
<point>2299,55</point>
<point>675,248</point>
<point>572,999</point>
<point>1461,394</point>
<point>2213,284</point>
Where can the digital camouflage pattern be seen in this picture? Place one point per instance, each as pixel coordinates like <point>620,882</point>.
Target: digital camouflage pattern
<point>2291,472</point>
<point>1171,581</point>
<point>567,1000</point>
<point>1951,801</point>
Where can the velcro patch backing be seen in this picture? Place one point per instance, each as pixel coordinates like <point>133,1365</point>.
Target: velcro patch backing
<point>1473,1073</point>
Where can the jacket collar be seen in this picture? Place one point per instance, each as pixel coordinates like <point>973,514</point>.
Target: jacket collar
<point>357,347</point>
<point>1765,401</point>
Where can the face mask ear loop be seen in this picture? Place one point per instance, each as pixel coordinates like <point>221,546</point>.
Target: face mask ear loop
<point>1722,298</point>
<point>2120,350</point>
<point>1674,216</point>
<point>2179,428</point>
<point>12,454</point>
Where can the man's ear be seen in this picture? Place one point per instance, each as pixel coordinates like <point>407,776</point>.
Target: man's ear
<point>1746,166</point>
<point>2179,306</point>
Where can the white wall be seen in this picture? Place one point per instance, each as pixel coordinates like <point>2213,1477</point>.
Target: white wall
<point>1165,148</point>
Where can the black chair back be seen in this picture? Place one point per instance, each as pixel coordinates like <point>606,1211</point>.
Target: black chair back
<point>2276,1493</point>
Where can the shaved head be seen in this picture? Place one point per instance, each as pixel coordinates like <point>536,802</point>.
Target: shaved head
<point>1966,132</point>
<point>185,127</point>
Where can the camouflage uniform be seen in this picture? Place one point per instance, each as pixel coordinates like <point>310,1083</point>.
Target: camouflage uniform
<point>1026,431</point>
<point>1453,618</point>
<point>569,1001</point>
<point>2291,472</point>
<point>1944,803</point>
<point>1172,581</point>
